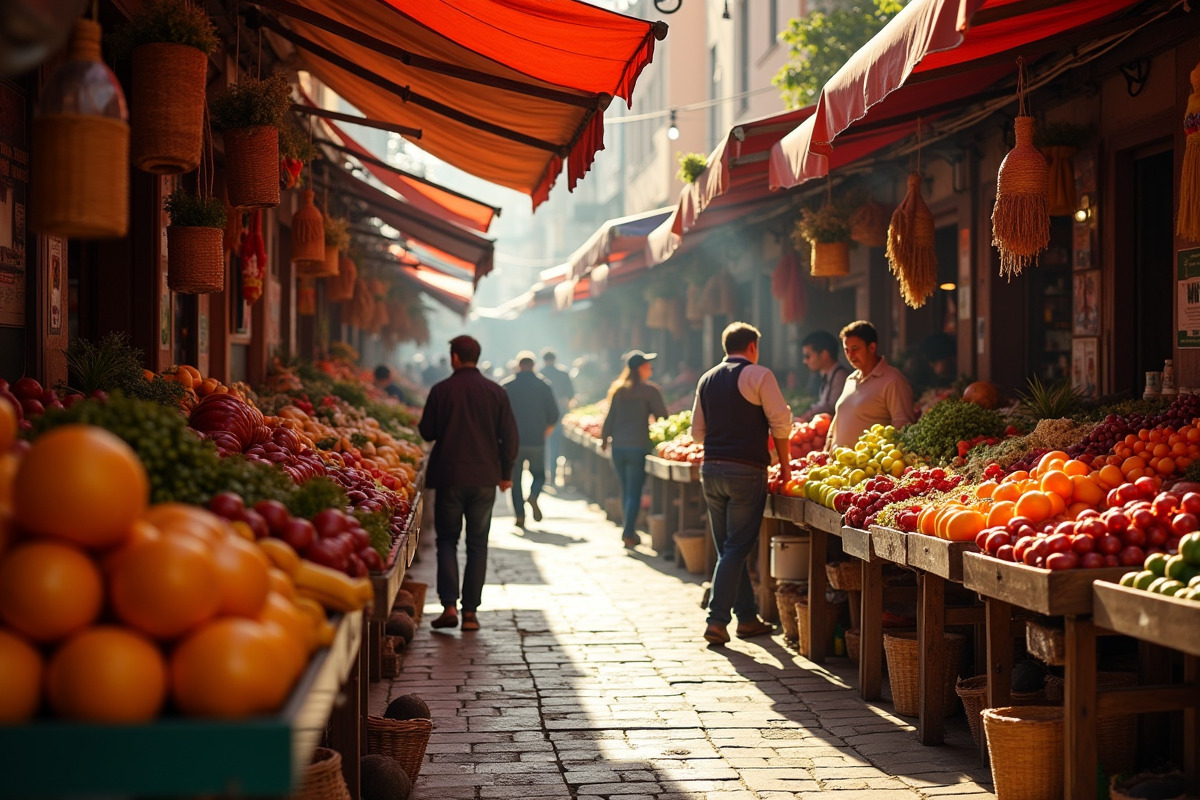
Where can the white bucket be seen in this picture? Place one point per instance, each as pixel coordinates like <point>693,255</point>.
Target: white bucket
<point>789,557</point>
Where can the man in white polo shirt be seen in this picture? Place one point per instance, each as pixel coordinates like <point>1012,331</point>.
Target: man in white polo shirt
<point>876,392</point>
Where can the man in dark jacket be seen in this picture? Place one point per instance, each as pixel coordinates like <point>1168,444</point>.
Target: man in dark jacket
<point>533,404</point>
<point>471,423</point>
<point>564,393</point>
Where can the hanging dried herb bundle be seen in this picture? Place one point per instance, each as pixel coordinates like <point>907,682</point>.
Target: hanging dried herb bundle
<point>869,224</point>
<point>1021,216</point>
<point>911,254</point>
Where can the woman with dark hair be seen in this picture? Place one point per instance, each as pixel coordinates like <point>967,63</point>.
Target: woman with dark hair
<point>632,402</point>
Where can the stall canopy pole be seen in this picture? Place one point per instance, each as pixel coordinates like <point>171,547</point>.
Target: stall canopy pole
<point>394,127</point>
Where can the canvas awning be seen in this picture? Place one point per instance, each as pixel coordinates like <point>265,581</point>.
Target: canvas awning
<point>508,90</point>
<point>453,293</point>
<point>615,240</point>
<point>934,56</point>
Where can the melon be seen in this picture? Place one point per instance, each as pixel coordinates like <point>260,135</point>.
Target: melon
<point>982,393</point>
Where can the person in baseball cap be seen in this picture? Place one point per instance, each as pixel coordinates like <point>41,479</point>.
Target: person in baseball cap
<point>635,358</point>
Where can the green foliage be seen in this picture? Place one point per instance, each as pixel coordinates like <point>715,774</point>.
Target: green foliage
<point>377,524</point>
<point>350,391</point>
<point>295,143</point>
<point>337,232</point>
<point>823,41</point>
<point>314,496</point>
<point>168,22</point>
<point>251,103</point>
<point>827,224</point>
<point>113,365</point>
<point>1048,401</point>
<point>188,210</point>
<point>691,165</point>
<point>937,434</point>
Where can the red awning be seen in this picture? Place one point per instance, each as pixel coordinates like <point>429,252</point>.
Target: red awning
<point>615,241</point>
<point>453,293</point>
<point>508,90</point>
<point>933,56</point>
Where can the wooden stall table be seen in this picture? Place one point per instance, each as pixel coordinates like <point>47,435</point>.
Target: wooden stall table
<point>685,479</point>
<point>387,583</point>
<point>822,523</point>
<point>658,475</point>
<point>780,511</point>
<point>1063,593</point>
<point>860,544</point>
<point>1165,622</point>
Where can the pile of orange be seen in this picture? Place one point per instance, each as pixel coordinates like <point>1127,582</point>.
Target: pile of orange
<point>108,608</point>
<point>1153,453</point>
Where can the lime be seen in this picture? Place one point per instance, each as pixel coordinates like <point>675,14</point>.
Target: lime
<point>1189,548</point>
<point>1142,580</point>
<point>1157,584</point>
<point>1175,568</point>
<point>1171,587</point>
<point>1157,563</point>
<point>1194,583</point>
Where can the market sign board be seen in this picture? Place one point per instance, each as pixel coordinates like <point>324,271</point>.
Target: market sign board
<point>1187,263</point>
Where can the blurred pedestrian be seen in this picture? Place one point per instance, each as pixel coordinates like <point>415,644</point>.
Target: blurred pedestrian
<point>564,394</point>
<point>821,351</point>
<point>738,408</point>
<point>470,421</point>
<point>633,402</point>
<point>383,380</point>
<point>536,411</point>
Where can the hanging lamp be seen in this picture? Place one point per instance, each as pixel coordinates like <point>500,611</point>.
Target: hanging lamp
<point>1021,216</point>
<point>80,152</point>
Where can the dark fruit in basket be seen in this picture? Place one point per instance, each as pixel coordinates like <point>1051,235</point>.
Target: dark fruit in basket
<point>275,513</point>
<point>407,706</point>
<point>1028,676</point>
<point>402,625</point>
<point>382,778</point>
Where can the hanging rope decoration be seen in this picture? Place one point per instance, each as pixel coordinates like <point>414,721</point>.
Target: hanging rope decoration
<point>308,231</point>
<point>1187,225</point>
<point>253,256</point>
<point>911,254</point>
<point>1021,216</point>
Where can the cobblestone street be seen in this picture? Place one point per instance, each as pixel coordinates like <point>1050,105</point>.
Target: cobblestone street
<point>590,679</point>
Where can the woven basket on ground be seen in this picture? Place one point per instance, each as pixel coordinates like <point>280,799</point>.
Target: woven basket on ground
<point>833,613</point>
<point>252,166</point>
<point>403,740</point>
<point>1116,737</point>
<point>195,259</point>
<point>1025,746</point>
<point>853,644</point>
<point>973,693</point>
<point>844,576</point>
<point>308,237</point>
<point>418,591</point>
<point>830,259</point>
<point>904,670</point>
<point>166,109</point>
<point>911,254</point>
<point>1020,219</point>
<point>323,778</point>
<point>785,600</point>
<point>340,288</point>
<point>869,225</point>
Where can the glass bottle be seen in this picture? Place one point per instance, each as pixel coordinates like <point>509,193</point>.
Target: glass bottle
<point>1168,377</point>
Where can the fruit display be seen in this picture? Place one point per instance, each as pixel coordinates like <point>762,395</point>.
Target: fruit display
<point>809,436</point>
<point>589,419</point>
<point>890,501</point>
<point>669,428</point>
<point>877,452</point>
<point>111,608</point>
<point>936,435</point>
<point>1176,575</point>
<point>681,448</point>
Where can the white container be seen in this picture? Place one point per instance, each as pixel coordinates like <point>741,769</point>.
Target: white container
<point>789,557</point>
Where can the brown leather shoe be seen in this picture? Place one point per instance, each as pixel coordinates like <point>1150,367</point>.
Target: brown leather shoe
<point>747,630</point>
<point>716,633</point>
<point>448,619</point>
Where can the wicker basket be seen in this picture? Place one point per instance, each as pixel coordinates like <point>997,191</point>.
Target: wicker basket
<point>308,237</point>
<point>845,576</point>
<point>390,661</point>
<point>833,612</point>
<point>692,547</point>
<point>403,740</point>
<point>252,166</point>
<point>417,590</point>
<point>785,601</point>
<point>973,693</point>
<point>830,259</point>
<point>195,260</point>
<point>340,288</point>
<point>1025,746</point>
<point>853,644</point>
<point>1116,737</point>
<point>323,778</point>
<point>166,109</point>
<point>904,670</point>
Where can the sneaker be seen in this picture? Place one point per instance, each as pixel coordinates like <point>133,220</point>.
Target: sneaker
<point>448,619</point>
<point>537,512</point>
<point>716,633</point>
<point>520,522</point>
<point>755,627</point>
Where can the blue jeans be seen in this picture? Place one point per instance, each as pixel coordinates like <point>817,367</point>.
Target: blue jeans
<point>736,495</point>
<point>630,466</point>
<point>536,456</point>
<point>451,505</point>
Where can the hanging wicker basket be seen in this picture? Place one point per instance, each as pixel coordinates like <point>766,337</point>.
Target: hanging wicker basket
<point>166,110</point>
<point>911,254</point>
<point>1060,189</point>
<point>340,288</point>
<point>308,237</point>
<point>252,166</point>
<point>830,259</point>
<point>1020,220</point>
<point>195,259</point>
<point>869,225</point>
<point>81,164</point>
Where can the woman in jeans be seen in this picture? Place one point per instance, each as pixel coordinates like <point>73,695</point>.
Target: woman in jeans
<point>633,402</point>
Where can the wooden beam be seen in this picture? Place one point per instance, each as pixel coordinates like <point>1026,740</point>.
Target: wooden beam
<point>417,61</point>
<point>393,127</point>
<point>1128,700</point>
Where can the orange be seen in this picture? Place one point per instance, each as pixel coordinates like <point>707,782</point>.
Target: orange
<point>281,583</point>
<point>49,590</point>
<point>141,532</point>
<point>180,518</point>
<point>1001,513</point>
<point>21,677</point>
<point>1057,482</point>
<point>107,674</point>
<point>1053,455</point>
<point>1132,463</point>
<point>1111,476</point>
<point>1007,491</point>
<point>963,526</point>
<point>287,615</point>
<point>166,587</point>
<point>8,425</point>
<point>1161,450</point>
<point>1076,467</point>
<point>1019,475</point>
<point>1166,465</point>
<point>985,490</point>
<point>290,652</point>
<point>241,577</point>
<point>9,464</point>
<point>1035,506</point>
<point>1086,490</point>
<point>228,668</point>
<point>1058,504</point>
<point>82,484</point>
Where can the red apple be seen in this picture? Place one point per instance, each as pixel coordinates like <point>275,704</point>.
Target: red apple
<point>996,540</point>
<point>1006,553</point>
<point>27,389</point>
<point>1157,534</point>
<point>1133,536</point>
<point>1115,520</point>
<point>1087,513</point>
<point>360,537</point>
<point>355,567</point>
<point>1015,524</point>
<point>275,513</point>
<point>300,534</point>
<point>1057,561</point>
<point>329,522</point>
<point>226,505</point>
<point>1092,526</point>
<point>1065,528</point>
<point>1144,518</point>
<point>1184,523</point>
<point>1113,498</point>
<point>328,553</point>
<point>1147,487</point>
<point>1107,544</point>
<point>371,559</point>
<point>1083,544</point>
<point>256,522</point>
<point>32,408</point>
<point>982,537</point>
<point>1164,505</point>
<point>1132,556</point>
<point>1112,560</point>
<point>1190,503</point>
<point>1058,542</point>
<point>1091,561</point>
<point>1126,493</point>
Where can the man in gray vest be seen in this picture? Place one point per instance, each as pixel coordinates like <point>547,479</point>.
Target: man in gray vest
<point>738,408</point>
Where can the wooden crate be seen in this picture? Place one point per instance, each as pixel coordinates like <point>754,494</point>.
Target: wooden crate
<point>1049,592</point>
<point>1147,616</point>
<point>822,518</point>
<point>890,544</point>
<point>940,557</point>
<point>857,542</point>
<point>786,508</point>
<point>658,467</point>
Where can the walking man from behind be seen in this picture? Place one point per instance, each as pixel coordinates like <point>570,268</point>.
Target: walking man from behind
<point>533,405</point>
<point>470,421</point>
<point>738,407</point>
<point>564,393</point>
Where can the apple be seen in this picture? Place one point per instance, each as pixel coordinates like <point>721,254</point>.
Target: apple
<point>1165,505</point>
<point>1021,545</point>
<point>275,513</point>
<point>1147,487</point>
<point>32,407</point>
<point>1157,534</point>
<point>1083,544</point>
<point>1065,528</point>
<point>1006,553</point>
<point>226,505</point>
<point>1144,518</point>
<point>1087,513</point>
<point>1058,542</point>
<point>1133,536</point>
<point>355,567</point>
<point>1184,523</point>
<point>327,552</point>
<point>1115,520</point>
<point>329,522</point>
<point>1057,561</point>
<point>1016,523</point>
<point>300,534</point>
<point>982,537</point>
<point>996,540</point>
<point>1132,556</point>
<point>71,399</point>
<point>1172,544</point>
<point>1190,503</point>
<point>1112,560</point>
<point>1091,561</point>
<point>371,559</point>
<point>360,537</point>
<point>1092,526</point>
<point>256,522</point>
<point>1113,498</point>
<point>1035,552</point>
<point>1126,493</point>
<point>1108,544</point>
<point>27,389</point>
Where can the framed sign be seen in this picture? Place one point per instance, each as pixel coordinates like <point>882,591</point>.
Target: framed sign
<point>1085,366</point>
<point>1085,303</point>
<point>1187,283</point>
<point>14,180</point>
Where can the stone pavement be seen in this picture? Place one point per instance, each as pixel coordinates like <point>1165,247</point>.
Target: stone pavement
<point>590,679</point>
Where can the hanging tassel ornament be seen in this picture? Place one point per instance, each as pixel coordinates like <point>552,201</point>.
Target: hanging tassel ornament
<point>253,257</point>
<point>1021,216</point>
<point>911,254</point>
<point>1188,223</point>
<point>308,236</point>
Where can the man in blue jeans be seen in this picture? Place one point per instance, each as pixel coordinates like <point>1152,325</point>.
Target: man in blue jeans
<point>470,421</point>
<point>738,408</point>
<point>533,405</point>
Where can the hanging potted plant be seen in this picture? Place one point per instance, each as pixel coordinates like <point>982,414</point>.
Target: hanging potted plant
<point>337,239</point>
<point>195,243</point>
<point>827,230</point>
<point>248,116</point>
<point>295,150</point>
<point>170,42</point>
<point>691,166</point>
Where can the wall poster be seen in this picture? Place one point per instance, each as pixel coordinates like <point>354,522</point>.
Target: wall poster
<point>1085,303</point>
<point>1187,282</point>
<point>14,180</point>
<point>1085,366</point>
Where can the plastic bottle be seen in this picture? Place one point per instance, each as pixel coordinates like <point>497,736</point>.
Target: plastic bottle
<point>1168,377</point>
